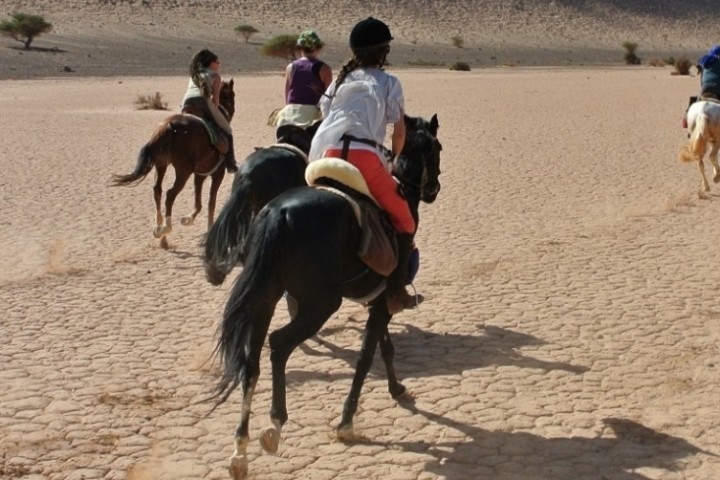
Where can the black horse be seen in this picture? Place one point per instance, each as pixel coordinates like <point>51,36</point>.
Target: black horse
<point>263,175</point>
<point>305,242</point>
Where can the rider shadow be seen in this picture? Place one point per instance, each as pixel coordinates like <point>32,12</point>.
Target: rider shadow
<point>420,353</point>
<point>519,455</point>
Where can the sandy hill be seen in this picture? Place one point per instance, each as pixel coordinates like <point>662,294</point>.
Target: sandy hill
<point>157,37</point>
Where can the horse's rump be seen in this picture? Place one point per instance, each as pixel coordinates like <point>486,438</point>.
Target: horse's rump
<point>191,126</point>
<point>318,248</point>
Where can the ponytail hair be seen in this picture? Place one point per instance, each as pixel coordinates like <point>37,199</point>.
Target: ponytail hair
<point>201,61</point>
<point>374,56</point>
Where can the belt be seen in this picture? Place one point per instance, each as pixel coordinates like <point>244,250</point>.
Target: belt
<point>347,139</point>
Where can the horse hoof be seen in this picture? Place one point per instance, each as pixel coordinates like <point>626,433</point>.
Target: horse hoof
<point>161,230</point>
<point>164,243</point>
<point>403,395</point>
<point>187,221</point>
<point>238,467</point>
<point>270,439</point>
<point>346,433</point>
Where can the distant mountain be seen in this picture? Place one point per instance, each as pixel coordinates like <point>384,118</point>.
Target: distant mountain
<point>157,36</point>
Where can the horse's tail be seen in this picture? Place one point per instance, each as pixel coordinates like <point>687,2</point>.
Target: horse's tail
<point>695,149</point>
<point>145,163</point>
<point>251,305</point>
<point>224,242</point>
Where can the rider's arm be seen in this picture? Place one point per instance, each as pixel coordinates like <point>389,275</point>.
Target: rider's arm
<point>326,75</point>
<point>288,76</point>
<point>216,83</point>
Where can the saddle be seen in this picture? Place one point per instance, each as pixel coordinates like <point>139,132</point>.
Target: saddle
<point>218,138</point>
<point>378,245</point>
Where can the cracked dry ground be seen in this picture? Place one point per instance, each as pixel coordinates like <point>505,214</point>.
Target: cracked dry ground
<point>570,332</point>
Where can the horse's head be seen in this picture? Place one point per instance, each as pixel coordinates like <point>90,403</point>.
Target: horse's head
<point>294,135</point>
<point>418,167</point>
<point>227,98</point>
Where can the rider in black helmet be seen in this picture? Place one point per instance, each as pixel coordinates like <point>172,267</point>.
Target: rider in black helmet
<point>356,111</point>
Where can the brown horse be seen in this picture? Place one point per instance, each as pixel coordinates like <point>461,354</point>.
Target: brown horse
<point>184,142</point>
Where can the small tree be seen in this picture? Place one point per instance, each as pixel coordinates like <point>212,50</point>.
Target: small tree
<point>24,27</point>
<point>630,57</point>
<point>457,41</point>
<point>281,46</point>
<point>246,31</point>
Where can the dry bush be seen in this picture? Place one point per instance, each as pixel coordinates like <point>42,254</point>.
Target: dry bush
<point>457,41</point>
<point>150,102</point>
<point>630,56</point>
<point>682,66</point>
<point>460,67</point>
<point>656,62</point>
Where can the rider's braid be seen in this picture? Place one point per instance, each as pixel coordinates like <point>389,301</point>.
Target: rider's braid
<point>349,66</point>
<point>374,56</point>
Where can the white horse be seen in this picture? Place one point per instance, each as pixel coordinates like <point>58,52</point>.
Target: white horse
<point>703,119</point>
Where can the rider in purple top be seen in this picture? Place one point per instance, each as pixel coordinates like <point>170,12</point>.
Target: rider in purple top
<point>306,79</point>
<point>305,85</point>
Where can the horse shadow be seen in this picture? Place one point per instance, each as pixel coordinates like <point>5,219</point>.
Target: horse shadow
<point>519,455</point>
<point>421,354</point>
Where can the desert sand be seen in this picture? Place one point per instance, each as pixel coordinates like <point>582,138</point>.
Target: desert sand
<point>570,330</point>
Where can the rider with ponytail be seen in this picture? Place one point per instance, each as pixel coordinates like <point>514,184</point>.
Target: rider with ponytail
<point>356,110</point>
<point>202,98</point>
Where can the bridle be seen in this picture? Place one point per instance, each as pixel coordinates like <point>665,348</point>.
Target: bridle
<point>421,185</point>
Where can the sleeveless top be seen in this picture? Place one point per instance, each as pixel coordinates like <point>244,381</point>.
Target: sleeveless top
<point>305,87</point>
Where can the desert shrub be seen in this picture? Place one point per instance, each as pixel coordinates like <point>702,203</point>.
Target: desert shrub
<point>150,102</point>
<point>24,27</point>
<point>457,41</point>
<point>460,67</point>
<point>682,66</point>
<point>630,56</point>
<point>281,46</point>
<point>246,31</point>
<point>669,60</point>
<point>656,62</point>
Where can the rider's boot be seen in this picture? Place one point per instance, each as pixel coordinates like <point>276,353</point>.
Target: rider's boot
<point>396,296</point>
<point>230,162</point>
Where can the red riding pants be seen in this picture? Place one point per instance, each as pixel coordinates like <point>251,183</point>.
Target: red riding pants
<point>382,186</point>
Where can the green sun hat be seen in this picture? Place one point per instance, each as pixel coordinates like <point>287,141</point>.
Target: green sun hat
<point>309,40</point>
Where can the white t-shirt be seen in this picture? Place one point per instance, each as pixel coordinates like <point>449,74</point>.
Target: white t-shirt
<point>366,102</point>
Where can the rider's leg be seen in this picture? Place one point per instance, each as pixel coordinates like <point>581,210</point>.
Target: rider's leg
<point>230,162</point>
<point>384,189</point>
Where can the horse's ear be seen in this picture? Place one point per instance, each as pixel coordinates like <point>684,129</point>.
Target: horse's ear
<point>434,125</point>
<point>410,122</point>
<point>232,83</point>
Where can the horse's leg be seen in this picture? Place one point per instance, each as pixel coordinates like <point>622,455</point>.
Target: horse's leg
<point>190,219</point>
<point>238,461</point>
<point>157,196</point>
<point>245,325</point>
<point>307,322</point>
<point>705,184</point>
<point>217,179</point>
<point>376,324</point>
<point>387,351</point>
<point>181,177</point>
<point>714,161</point>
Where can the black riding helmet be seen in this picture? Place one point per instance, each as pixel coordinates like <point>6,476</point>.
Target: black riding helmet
<point>370,32</point>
